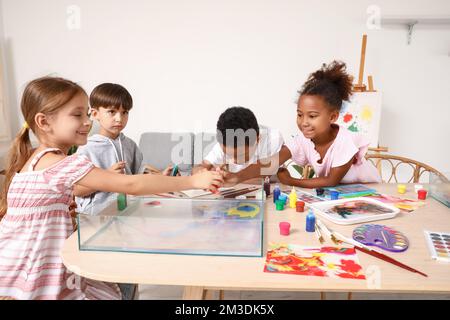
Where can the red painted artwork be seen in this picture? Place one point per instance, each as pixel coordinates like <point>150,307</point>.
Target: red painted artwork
<point>320,262</point>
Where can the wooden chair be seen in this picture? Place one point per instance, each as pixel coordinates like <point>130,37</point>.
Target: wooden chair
<point>389,166</point>
<point>304,171</point>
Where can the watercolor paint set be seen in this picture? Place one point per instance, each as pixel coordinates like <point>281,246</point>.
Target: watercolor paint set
<point>439,245</point>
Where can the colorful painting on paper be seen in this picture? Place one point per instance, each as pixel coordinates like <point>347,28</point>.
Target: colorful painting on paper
<point>357,207</point>
<point>321,262</point>
<point>405,205</point>
<point>362,114</point>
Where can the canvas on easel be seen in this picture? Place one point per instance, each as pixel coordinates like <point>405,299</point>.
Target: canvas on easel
<point>362,114</point>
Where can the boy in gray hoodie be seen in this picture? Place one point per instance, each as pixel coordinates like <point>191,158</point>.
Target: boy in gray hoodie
<point>110,149</point>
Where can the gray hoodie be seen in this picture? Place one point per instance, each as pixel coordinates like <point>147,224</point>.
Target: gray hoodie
<point>104,152</point>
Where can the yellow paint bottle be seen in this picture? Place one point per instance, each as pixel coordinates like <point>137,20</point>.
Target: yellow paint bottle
<point>293,198</point>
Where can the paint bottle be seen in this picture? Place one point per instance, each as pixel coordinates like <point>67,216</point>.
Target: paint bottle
<point>300,206</point>
<point>292,198</point>
<point>279,205</point>
<point>121,201</point>
<point>319,191</point>
<point>334,195</point>
<point>267,186</point>
<point>284,197</point>
<point>276,193</point>
<point>421,194</point>
<point>284,228</point>
<point>310,221</point>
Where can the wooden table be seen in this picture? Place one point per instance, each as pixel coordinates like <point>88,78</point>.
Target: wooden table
<point>200,273</point>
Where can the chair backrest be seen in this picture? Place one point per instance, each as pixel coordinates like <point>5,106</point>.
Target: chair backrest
<point>203,143</point>
<point>391,168</point>
<point>299,172</point>
<point>161,149</point>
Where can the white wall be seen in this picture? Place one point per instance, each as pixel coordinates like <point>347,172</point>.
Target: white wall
<point>5,130</point>
<point>184,62</point>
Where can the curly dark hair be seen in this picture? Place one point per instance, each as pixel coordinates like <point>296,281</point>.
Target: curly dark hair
<point>234,120</point>
<point>331,82</point>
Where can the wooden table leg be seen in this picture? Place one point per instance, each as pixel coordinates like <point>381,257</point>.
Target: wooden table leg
<point>211,294</point>
<point>208,294</point>
<point>193,293</point>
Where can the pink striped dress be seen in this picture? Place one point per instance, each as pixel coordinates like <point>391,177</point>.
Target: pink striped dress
<point>33,231</point>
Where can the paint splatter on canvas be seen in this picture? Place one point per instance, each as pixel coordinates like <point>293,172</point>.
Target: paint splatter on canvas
<point>362,114</point>
<point>321,262</point>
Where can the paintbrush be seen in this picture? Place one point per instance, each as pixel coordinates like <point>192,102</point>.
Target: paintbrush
<point>327,232</point>
<point>375,253</point>
<point>319,234</point>
<point>238,192</point>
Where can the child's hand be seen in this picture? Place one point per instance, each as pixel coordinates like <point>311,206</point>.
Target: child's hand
<point>210,180</point>
<point>72,208</point>
<point>284,176</point>
<point>118,167</point>
<point>230,179</point>
<point>151,170</point>
<point>73,213</point>
<point>168,171</point>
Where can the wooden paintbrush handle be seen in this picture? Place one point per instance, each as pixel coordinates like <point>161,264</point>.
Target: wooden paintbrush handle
<point>389,259</point>
<point>363,59</point>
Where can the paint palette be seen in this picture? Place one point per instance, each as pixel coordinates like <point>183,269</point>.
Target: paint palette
<point>381,236</point>
<point>439,244</point>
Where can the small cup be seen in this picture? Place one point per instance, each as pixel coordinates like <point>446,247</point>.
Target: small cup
<point>300,206</point>
<point>401,188</point>
<point>285,228</point>
<point>283,197</point>
<point>421,194</point>
<point>334,195</point>
<point>279,204</point>
<point>320,191</point>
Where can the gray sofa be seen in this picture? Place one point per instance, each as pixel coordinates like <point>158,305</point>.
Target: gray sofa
<point>185,149</point>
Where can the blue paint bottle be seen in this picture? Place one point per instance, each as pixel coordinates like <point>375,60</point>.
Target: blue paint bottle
<point>283,197</point>
<point>334,195</point>
<point>310,221</point>
<point>276,193</point>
